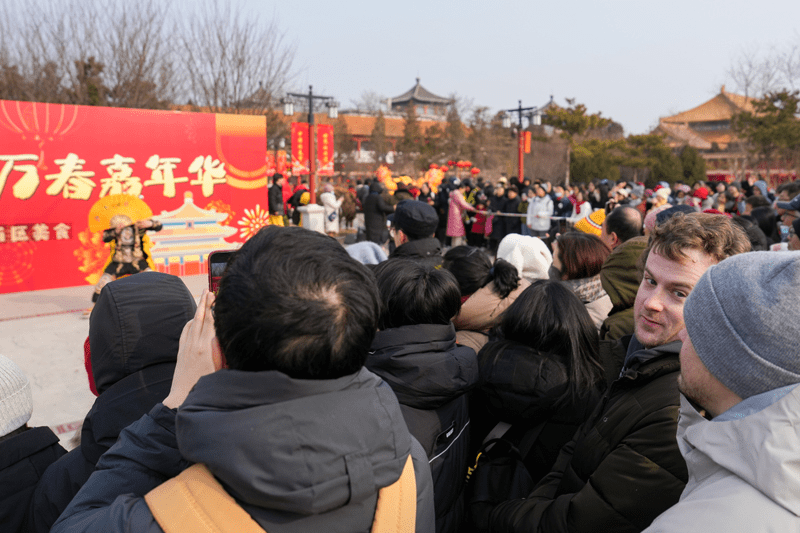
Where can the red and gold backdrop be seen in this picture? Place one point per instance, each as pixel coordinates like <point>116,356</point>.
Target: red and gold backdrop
<point>203,175</point>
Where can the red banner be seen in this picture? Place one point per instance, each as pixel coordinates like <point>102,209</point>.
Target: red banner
<point>527,142</point>
<point>324,150</point>
<point>300,148</point>
<point>276,162</point>
<point>202,175</point>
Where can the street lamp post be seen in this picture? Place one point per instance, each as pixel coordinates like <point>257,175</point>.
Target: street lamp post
<point>333,112</point>
<point>535,118</point>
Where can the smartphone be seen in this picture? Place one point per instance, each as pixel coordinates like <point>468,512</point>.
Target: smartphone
<point>217,261</point>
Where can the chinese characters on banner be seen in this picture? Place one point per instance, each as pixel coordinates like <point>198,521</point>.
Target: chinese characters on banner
<point>276,162</point>
<point>197,172</point>
<point>299,148</point>
<point>324,150</point>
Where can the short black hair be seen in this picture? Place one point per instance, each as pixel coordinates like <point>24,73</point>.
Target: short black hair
<point>415,293</point>
<point>276,177</point>
<point>294,301</point>
<point>625,221</point>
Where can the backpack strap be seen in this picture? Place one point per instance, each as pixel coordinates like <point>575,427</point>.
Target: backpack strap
<point>195,501</point>
<point>396,511</point>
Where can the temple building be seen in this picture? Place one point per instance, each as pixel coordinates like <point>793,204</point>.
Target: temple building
<point>707,128</point>
<point>425,103</point>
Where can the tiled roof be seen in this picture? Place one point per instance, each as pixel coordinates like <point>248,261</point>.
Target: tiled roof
<point>722,107</point>
<point>420,94</point>
<point>681,135</point>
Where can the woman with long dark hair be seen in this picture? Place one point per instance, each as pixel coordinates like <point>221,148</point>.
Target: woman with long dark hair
<point>543,368</point>
<point>487,289</point>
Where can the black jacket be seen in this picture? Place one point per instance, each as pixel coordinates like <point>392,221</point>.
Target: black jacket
<point>23,459</point>
<point>431,375</point>
<point>520,385</point>
<point>133,335</point>
<point>428,251</point>
<point>375,211</point>
<point>275,196</point>
<point>622,469</point>
<point>296,455</point>
<point>118,407</point>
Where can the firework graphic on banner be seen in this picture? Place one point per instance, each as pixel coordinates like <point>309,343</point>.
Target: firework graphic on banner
<point>252,221</point>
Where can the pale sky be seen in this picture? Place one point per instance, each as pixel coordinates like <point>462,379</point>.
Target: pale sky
<point>631,60</point>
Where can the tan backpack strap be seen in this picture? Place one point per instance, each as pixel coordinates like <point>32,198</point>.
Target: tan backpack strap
<point>194,501</point>
<point>396,511</point>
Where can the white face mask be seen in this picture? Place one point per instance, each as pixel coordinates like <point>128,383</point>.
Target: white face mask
<point>559,195</point>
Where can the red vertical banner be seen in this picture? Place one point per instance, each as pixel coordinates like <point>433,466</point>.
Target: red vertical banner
<point>280,162</point>
<point>300,145</point>
<point>527,142</point>
<point>325,150</point>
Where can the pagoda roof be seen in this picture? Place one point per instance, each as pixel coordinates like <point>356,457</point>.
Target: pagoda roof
<point>189,211</point>
<point>420,94</point>
<point>681,134</point>
<point>722,107</point>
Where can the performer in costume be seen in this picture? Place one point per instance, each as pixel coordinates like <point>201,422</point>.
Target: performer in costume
<point>130,248</point>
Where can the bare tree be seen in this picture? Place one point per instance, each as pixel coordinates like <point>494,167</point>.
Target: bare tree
<point>233,61</point>
<point>754,73</point>
<point>370,102</point>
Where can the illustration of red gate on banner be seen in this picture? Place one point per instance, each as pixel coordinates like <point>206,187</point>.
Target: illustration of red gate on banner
<point>203,175</point>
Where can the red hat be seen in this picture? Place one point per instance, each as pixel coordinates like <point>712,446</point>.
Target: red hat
<point>701,193</point>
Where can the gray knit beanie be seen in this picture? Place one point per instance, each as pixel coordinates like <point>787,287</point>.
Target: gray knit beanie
<point>742,320</point>
<point>16,401</point>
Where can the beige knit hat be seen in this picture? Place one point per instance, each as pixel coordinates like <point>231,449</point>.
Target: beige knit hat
<point>16,400</point>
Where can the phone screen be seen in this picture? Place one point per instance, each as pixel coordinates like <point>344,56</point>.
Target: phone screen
<point>217,262</point>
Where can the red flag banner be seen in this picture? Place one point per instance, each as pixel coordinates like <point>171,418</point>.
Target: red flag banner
<point>527,142</point>
<point>300,148</point>
<point>325,149</point>
<point>197,172</point>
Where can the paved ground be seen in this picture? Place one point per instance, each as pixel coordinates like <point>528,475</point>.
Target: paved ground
<point>43,332</point>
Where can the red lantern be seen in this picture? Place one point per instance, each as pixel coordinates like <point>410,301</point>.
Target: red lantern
<point>451,163</point>
<point>444,168</point>
<point>475,170</point>
<point>434,165</point>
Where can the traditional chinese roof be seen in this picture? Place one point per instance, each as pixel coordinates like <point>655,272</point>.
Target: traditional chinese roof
<point>189,211</point>
<point>420,94</point>
<point>722,107</point>
<point>362,125</point>
<point>682,135</point>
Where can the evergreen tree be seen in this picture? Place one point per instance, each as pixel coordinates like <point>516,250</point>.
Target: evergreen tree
<point>412,135</point>
<point>380,145</point>
<point>694,166</point>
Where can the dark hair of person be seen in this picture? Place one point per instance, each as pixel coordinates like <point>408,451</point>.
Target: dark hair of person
<point>625,221</point>
<point>767,220</point>
<point>473,269</point>
<point>414,293</point>
<point>276,177</point>
<point>582,255</point>
<point>294,301</point>
<point>549,318</point>
<point>756,201</point>
<point>758,241</point>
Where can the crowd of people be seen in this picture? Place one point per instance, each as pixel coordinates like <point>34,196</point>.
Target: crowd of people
<point>606,359</point>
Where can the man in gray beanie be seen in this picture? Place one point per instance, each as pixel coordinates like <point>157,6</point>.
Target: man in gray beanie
<point>739,429</point>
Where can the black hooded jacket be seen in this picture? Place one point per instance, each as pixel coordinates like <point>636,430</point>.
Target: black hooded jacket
<point>431,375</point>
<point>375,211</point>
<point>427,251</point>
<point>133,336</point>
<point>520,385</point>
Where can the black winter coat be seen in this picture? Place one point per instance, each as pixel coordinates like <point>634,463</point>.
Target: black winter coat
<point>118,407</point>
<point>622,469</point>
<point>275,196</point>
<point>431,375</point>
<point>23,459</point>
<point>375,211</point>
<point>134,336</point>
<point>427,251</point>
<point>520,385</point>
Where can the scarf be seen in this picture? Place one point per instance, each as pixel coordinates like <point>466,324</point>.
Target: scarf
<point>587,289</point>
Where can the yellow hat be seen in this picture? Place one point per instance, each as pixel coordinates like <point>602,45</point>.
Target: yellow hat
<point>593,223</point>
